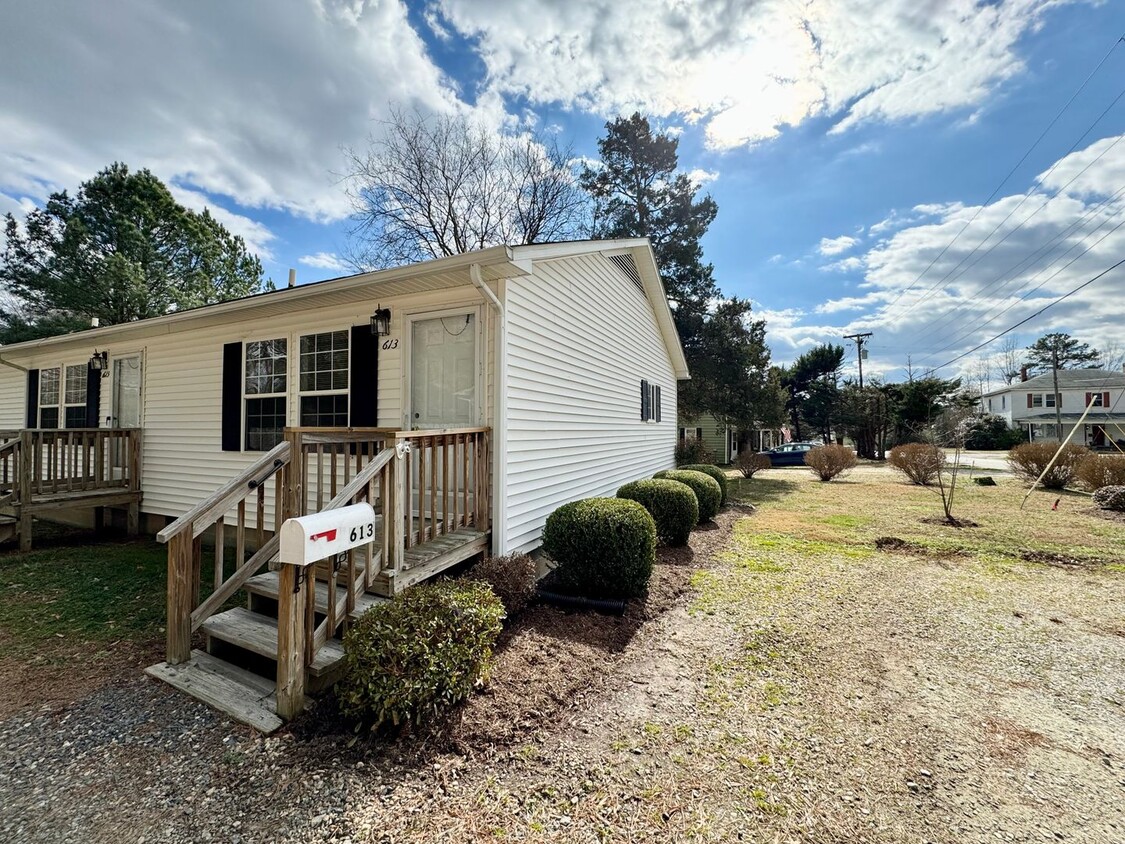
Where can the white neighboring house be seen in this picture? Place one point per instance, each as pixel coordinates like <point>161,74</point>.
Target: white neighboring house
<point>567,352</point>
<point>1033,406</point>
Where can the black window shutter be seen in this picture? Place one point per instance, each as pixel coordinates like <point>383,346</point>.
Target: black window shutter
<point>658,404</point>
<point>363,380</point>
<point>645,397</point>
<point>33,398</point>
<point>232,397</point>
<point>93,397</point>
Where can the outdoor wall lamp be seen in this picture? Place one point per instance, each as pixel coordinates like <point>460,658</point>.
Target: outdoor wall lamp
<point>99,361</point>
<point>381,322</point>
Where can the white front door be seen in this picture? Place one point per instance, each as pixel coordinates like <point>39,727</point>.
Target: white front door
<point>443,378</point>
<point>126,392</point>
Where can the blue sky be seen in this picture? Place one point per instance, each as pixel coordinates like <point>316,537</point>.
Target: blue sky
<point>846,141</point>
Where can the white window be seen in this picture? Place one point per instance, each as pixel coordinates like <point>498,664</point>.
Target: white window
<point>1037,400</point>
<point>1049,400</point>
<point>1096,400</point>
<point>49,395</point>
<point>74,396</point>
<point>323,380</point>
<point>264,388</point>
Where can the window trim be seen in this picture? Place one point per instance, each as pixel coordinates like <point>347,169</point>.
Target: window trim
<point>61,405</point>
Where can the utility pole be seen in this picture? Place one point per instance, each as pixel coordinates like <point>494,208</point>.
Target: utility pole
<point>859,338</point>
<point>1058,398</point>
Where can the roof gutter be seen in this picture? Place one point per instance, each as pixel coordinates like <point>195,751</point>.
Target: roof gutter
<point>500,414</point>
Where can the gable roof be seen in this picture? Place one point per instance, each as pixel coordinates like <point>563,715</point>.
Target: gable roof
<point>495,262</point>
<point>1069,379</point>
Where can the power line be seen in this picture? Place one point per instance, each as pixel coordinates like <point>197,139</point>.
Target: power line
<point>1012,328</point>
<point>1018,164</point>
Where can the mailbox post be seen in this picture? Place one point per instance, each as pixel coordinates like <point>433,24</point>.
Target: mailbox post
<point>305,541</point>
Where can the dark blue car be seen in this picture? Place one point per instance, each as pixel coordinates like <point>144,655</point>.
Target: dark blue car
<point>789,454</point>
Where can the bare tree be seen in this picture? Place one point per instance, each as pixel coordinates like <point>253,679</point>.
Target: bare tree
<point>1008,359</point>
<point>980,374</point>
<point>1112,356</point>
<point>428,187</point>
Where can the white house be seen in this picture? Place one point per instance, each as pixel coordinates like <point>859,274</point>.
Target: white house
<point>566,353</point>
<point>1033,405</point>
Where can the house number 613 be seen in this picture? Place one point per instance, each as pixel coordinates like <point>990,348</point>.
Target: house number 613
<point>390,344</point>
<point>362,532</point>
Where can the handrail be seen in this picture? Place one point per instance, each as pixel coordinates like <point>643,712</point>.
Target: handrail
<point>436,432</point>
<point>227,495</point>
<point>254,483</point>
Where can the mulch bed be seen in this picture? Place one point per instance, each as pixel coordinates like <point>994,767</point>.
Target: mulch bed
<point>941,520</point>
<point>548,662</point>
<point>1066,561</point>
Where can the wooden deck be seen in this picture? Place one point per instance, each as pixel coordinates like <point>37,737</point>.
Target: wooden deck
<point>44,472</point>
<point>430,490</point>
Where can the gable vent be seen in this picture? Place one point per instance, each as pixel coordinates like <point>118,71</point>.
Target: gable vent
<point>627,265</point>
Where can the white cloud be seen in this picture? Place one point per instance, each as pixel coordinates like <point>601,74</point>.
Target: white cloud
<point>256,235</point>
<point>247,101</point>
<point>847,265</point>
<point>746,70</point>
<point>324,261</point>
<point>836,245</point>
<point>702,177</point>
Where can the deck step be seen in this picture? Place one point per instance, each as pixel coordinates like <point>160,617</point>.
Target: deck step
<point>267,585</point>
<point>244,696</point>
<point>258,634</point>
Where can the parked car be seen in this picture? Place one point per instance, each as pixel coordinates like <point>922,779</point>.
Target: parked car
<point>789,454</point>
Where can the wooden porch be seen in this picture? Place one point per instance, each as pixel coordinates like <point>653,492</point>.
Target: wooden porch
<point>46,471</point>
<point>431,492</point>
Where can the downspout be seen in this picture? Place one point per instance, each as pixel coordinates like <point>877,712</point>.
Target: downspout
<point>500,417</point>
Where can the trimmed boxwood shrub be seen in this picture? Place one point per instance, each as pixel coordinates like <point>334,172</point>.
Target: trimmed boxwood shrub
<point>1111,498</point>
<point>512,577</point>
<point>672,505</point>
<point>706,490</point>
<point>715,472</point>
<point>422,651</point>
<point>604,547</point>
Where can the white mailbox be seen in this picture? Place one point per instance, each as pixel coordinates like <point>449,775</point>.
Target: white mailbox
<point>308,539</point>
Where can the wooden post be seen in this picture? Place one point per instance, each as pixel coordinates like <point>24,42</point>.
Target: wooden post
<point>291,641</point>
<point>395,524</point>
<point>179,598</point>
<point>27,474</point>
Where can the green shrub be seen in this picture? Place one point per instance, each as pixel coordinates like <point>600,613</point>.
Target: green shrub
<point>692,451</point>
<point>993,433</point>
<point>918,461</point>
<point>706,490</point>
<point>604,547</point>
<point>750,463</point>
<point>512,577</point>
<point>1111,498</point>
<point>422,651</point>
<point>830,461</point>
<point>1097,470</point>
<point>715,472</point>
<point>1028,461</point>
<point>672,505</point>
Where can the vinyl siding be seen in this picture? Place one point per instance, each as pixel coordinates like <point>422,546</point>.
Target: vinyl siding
<point>580,338</point>
<point>183,459</point>
<point>715,436</point>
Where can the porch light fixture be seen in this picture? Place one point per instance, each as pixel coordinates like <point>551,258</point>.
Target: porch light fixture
<point>381,322</point>
<point>99,361</point>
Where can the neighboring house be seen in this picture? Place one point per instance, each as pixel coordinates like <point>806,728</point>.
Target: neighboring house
<point>722,441</point>
<point>1033,405</point>
<point>566,353</point>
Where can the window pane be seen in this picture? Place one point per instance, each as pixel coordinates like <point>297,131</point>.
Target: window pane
<point>76,384</point>
<point>48,417</point>
<point>324,362</point>
<point>76,417</point>
<point>265,421</point>
<point>324,411</point>
<point>49,387</point>
<point>266,366</point>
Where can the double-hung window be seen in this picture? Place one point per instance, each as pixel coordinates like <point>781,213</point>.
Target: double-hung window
<point>1048,399</point>
<point>324,380</point>
<point>1037,400</point>
<point>264,390</point>
<point>49,395</point>
<point>74,396</point>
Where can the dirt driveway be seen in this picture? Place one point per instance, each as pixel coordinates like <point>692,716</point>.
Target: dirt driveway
<point>842,671</point>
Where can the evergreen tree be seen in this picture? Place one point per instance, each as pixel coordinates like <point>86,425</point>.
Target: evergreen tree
<point>813,391</point>
<point>1071,353</point>
<point>121,249</point>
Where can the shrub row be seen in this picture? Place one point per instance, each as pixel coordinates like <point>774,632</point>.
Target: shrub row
<point>672,505</point>
<point>706,489</point>
<point>715,472</point>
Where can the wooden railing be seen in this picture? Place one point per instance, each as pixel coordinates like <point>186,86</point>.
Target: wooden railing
<point>421,485</point>
<point>43,468</point>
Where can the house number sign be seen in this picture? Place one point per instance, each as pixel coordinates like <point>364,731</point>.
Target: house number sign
<point>391,343</point>
<point>308,539</point>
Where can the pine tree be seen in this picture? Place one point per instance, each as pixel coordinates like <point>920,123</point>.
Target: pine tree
<point>1071,353</point>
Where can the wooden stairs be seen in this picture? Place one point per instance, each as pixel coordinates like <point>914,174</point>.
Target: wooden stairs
<point>236,671</point>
